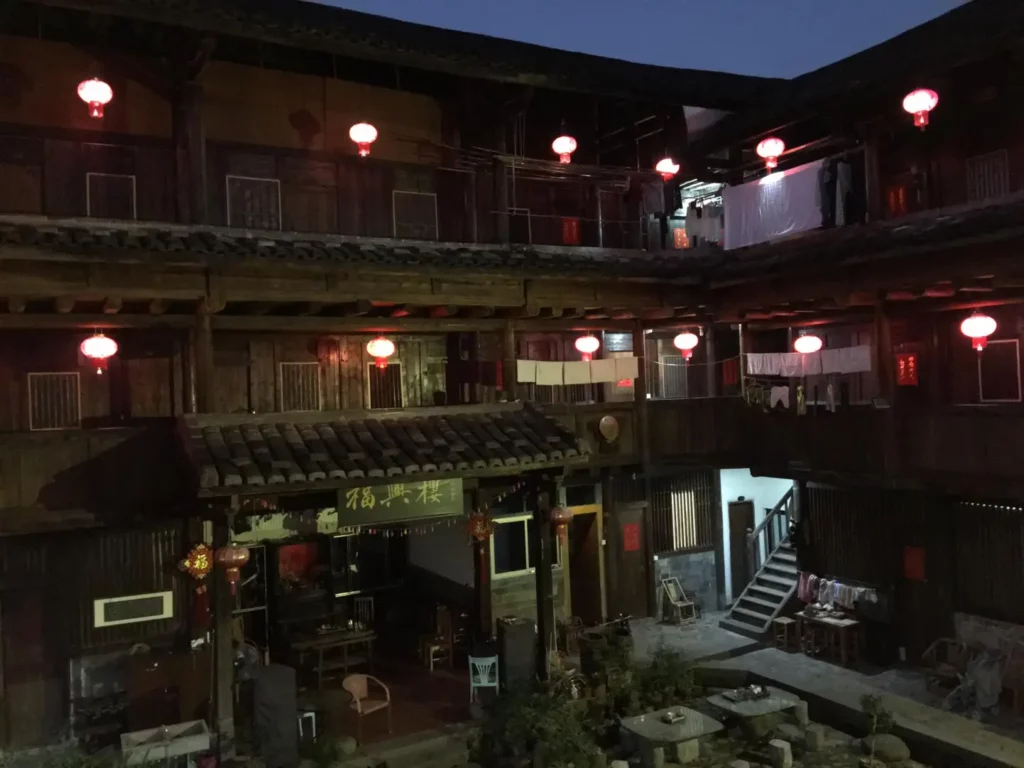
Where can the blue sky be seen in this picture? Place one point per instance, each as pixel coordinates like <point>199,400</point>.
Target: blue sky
<point>780,38</point>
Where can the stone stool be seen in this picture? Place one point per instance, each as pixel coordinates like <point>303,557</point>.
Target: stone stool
<point>785,633</point>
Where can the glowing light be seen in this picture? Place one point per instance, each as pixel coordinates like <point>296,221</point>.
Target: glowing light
<point>978,328</point>
<point>97,94</point>
<point>919,103</point>
<point>667,167</point>
<point>380,350</point>
<point>587,346</point>
<point>564,146</point>
<point>807,343</point>
<point>98,349</point>
<point>771,150</point>
<point>685,343</point>
<point>363,134</point>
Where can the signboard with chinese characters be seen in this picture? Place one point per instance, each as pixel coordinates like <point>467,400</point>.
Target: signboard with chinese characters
<point>906,369</point>
<point>398,502</point>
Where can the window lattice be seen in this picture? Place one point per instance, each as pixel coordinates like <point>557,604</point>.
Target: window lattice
<point>54,401</point>
<point>300,387</point>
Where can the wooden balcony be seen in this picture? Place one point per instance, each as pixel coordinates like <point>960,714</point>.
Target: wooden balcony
<point>954,448</point>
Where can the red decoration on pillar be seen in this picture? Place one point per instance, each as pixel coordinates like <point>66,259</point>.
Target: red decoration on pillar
<point>198,564</point>
<point>480,528</point>
<point>906,369</point>
<point>914,564</point>
<point>631,537</point>
<point>560,519</point>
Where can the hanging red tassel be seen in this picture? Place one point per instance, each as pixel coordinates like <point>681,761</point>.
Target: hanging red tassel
<point>201,610</point>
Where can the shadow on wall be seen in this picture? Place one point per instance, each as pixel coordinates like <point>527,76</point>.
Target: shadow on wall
<point>737,485</point>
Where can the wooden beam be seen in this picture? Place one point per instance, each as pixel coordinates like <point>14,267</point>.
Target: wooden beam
<point>112,306</point>
<point>310,308</point>
<point>480,312</point>
<point>157,307</point>
<point>15,305</point>
<point>205,387</point>
<point>64,305</point>
<point>402,310</point>
<point>439,312</point>
<point>358,308</point>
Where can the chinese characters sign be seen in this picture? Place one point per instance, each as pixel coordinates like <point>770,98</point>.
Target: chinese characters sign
<point>906,369</point>
<point>631,537</point>
<point>400,501</point>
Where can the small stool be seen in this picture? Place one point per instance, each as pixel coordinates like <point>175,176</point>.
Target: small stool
<point>784,627</point>
<point>311,716</point>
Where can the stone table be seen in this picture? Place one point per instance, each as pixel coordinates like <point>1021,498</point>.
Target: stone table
<point>679,740</point>
<point>758,716</point>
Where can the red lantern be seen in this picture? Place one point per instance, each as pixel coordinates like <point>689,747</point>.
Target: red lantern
<point>806,343</point>
<point>978,328</point>
<point>919,103</point>
<point>231,558</point>
<point>564,146</point>
<point>771,150</point>
<point>560,519</point>
<point>363,134</point>
<point>587,346</point>
<point>380,350</point>
<point>98,349</point>
<point>97,94</point>
<point>686,342</point>
<point>667,167</point>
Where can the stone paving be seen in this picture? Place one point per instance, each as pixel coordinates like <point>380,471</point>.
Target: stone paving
<point>701,641</point>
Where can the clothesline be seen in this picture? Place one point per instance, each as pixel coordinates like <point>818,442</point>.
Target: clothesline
<point>665,364</point>
<point>798,364</point>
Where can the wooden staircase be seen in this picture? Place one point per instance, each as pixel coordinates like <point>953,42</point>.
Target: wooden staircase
<point>775,575</point>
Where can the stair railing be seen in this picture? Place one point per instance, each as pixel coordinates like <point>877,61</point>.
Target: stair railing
<point>769,534</point>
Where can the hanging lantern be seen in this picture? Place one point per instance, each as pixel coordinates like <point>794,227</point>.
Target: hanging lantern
<point>806,343</point>
<point>560,519</point>
<point>667,167</point>
<point>587,346</point>
<point>686,342</point>
<point>363,134</point>
<point>380,350</point>
<point>564,146</point>
<point>232,558</point>
<point>978,328</point>
<point>98,349</point>
<point>919,103</point>
<point>97,94</point>
<point>771,150</point>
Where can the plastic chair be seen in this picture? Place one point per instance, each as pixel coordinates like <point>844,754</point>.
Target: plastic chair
<point>483,673</point>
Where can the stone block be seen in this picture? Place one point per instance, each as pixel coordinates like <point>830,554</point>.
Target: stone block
<point>801,715</point>
<point>687,752</point>
<point>600,760</point>
<point>789,732</point>
<point>815,739</point>
<point>619,764</point>
<point>346,745</point>
<point>658,757</point>
<point>739,764</point>
<point>780,753</point>
<point>887,748</point>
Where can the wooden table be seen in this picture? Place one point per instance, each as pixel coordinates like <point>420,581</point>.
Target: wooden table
<point>840,629</point>
<point>327,643</point>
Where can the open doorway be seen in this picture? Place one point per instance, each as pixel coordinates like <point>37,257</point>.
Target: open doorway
<point>741,521</point>
<point>585,567</point>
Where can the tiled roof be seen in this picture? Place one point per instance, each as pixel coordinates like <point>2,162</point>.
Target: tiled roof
<point>111,240</point>
<point>282,449</point>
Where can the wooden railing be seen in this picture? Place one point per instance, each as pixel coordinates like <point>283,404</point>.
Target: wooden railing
<point>769,533</point>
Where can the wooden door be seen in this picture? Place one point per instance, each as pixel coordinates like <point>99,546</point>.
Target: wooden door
<point>585,568</point>
<point>741,520</point>
<point>632,575</point>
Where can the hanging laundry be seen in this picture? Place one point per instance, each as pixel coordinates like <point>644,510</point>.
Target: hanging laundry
<point>801,401</point>
<point>830,398</point>
<point>779,396</point>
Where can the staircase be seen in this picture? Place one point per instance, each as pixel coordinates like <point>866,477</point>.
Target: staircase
<point>773,562</point>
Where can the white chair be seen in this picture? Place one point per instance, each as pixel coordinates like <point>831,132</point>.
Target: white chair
<point>311,717</point>
<point>483,673</point>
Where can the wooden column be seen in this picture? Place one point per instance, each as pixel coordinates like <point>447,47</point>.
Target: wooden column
<point>886,384</point>
<point>644,438</point>
<point>709,354</point>
<point>190,153</point>
<point>542,492</point>
<point>609,560</point>
<point>204,373</point>
<point>500,189</point>
<point>223,647</point>
<point>744,349</point>
<point>508,366</point>
<point>872,180</point>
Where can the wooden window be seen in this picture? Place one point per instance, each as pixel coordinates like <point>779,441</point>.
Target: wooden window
<point>988,176</point>
<point>510,547</point>
<point>21,188</point>
<point>253,203</point>
<point>300,387</point>
<point>384,385</point>
<point>54,401</point>
<point>110,196</point>
<point>999,372</point>
<point>414,215</point>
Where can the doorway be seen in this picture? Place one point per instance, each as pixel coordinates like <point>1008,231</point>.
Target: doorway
<point>585,577</point>
<point>741,520</point>
<point>632,587</point>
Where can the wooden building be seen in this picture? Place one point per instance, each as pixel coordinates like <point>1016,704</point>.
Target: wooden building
<point>906,464</point>
<point>218,224</point>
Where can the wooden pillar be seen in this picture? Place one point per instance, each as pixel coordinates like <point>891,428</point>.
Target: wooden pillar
<point>508,367</point>
<point>541,500</point>
<point>886,384</point>
<point>223,646</point>
<point>802,507</point>
<point>872,181</point>
<point>719,538</point>
<point>608,561</point>
<point>644,438</point>
<point>190,153</point>
<point>709,354</point>
<point>744,349</point>
<point>204,373</point>
<point>501,189</point>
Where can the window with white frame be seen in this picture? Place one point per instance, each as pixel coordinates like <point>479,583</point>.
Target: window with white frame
<point>415,215</point>
<point>110,196</point>
<point>253,203</point>
<point>510,546</point>
<point>54,401</point>
<point>300,387</point>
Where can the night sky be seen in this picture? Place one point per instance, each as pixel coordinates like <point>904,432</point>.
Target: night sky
<point>780,38</point>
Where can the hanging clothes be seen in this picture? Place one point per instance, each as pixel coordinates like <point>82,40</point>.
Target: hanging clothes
<point>844,183</point>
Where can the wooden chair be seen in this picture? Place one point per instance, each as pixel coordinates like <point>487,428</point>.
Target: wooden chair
<point>684,610</point>
<point>362,611</point>
<point>439,646</point>
<point>571,631</point>
<point>945,661</point>
<point>358,686</point>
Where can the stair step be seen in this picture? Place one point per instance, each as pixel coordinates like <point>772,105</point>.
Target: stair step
<point>753,614</point>
<point>758,601</point>
<point>781,567</point>
<point>758,621</point>
<point>775,579</point>
<point>742,629</point>
<point>787,555</point>
<point>764,589</point>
